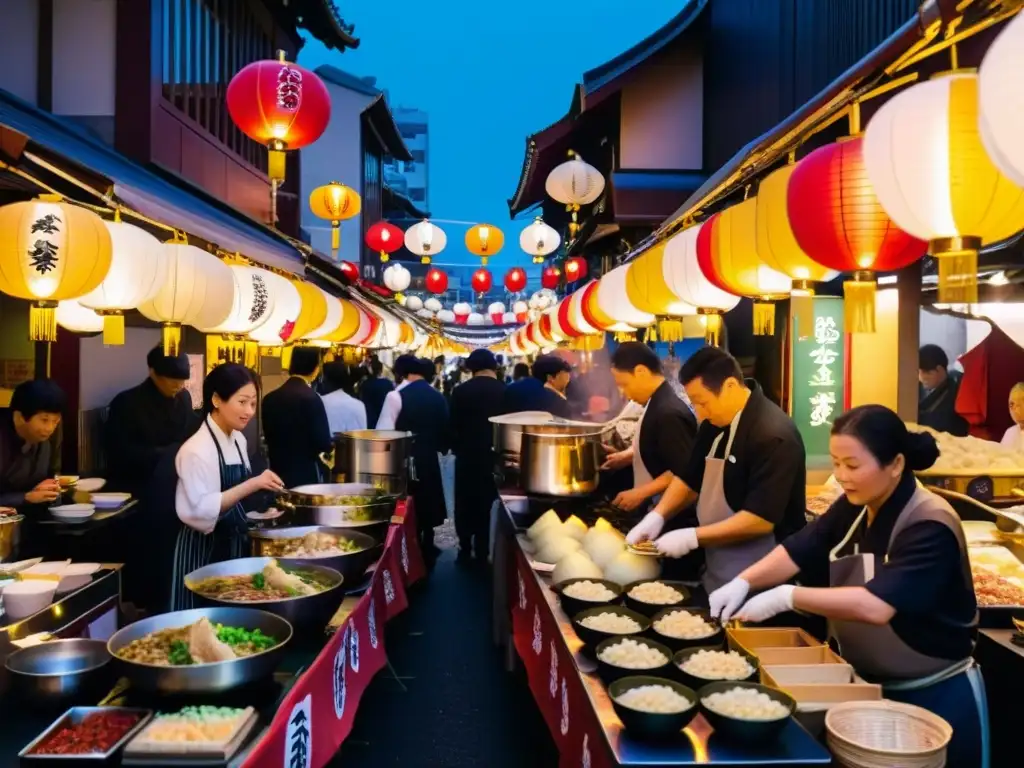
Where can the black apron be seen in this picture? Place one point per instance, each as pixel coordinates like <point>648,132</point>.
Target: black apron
<point>229,540</point>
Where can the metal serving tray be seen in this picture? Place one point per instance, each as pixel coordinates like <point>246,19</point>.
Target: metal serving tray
<point>76,715</point>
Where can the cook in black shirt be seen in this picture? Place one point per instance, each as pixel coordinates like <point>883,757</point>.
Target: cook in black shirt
<point>666,432</point>
<point>901,598</point>
<point>148,423</point>
<point>746,472</point>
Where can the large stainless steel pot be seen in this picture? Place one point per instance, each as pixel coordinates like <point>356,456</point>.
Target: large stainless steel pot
<point>302,611</point>
<point>560,460</point>
<point>508,433</point>
<point>379,457</point>
<point>351,565</point>
<point>203,678</point>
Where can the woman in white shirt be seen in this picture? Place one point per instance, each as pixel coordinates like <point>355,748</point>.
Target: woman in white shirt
<point>214,476</point>
<point>1014,437</point>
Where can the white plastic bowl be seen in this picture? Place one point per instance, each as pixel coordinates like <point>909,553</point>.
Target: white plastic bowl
<point>76,576</point>
<point>109,500</point>
<point>26,598</point>
<point>73,511</point>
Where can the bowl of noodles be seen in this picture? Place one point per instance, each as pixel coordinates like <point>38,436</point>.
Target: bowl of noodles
<point>346,550</point>
<point>304,594</point>
<point>204,650</point>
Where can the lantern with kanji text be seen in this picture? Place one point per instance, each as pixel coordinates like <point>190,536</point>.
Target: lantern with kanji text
<point>51,251</point>
<point>279,104</point>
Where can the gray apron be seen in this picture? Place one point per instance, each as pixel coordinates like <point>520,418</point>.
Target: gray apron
<point>723,564</point>
<point>641,475</point>
<point>877,651</point>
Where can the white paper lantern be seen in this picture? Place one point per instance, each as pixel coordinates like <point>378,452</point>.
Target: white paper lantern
<point>446,316</point>
<point>539,240</point>
<point>252,302</point>
<point>72,316</point>
<point>425,240</point>
<point>332,321</point>
<point>613,300</point>
<point>434,305</point>
<point>475,318</point>
<point>137,270</point>
<point>685,278</point>
<point>426,314</point>
<point>1001,100</point>
<point>413,303</point>
<point>462,308</point>
<point>508,318</point>
<point>496,308</point>
<point>287,306</point>
<point>574,183</point>
<point>397,278</point>
<point>520,308</point>
<point>198,290</point>
<point>389,331</point>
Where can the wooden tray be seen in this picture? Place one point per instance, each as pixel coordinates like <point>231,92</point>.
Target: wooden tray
<point>160,751</point>
<point>753,639</point>
<point>820,654</point>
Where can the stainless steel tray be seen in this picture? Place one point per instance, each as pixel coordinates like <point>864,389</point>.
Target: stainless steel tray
<point>76,715</point>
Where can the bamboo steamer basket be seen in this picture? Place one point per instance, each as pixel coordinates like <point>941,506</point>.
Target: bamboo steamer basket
<point>886,734</point>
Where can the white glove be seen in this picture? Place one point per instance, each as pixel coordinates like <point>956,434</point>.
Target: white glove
<point>678,543</point>
<point>725,600</point>
<point>646,529</point>
<point>767,604</point>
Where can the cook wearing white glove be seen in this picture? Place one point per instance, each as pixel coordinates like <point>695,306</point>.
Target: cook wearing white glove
<point>728,598</point>
<point>678,543</point>
<point>767,604</point>
<point>646,529</point>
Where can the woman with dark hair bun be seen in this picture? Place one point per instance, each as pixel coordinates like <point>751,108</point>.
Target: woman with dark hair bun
<point>214,476</point>
<point>901,600</point>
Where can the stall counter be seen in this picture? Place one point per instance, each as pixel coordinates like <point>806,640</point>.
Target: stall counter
<point>573,700</point>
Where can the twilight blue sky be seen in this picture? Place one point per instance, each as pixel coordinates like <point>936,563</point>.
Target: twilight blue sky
<point>487,79</point>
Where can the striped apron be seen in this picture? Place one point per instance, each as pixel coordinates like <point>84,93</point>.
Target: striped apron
<point>229,539</point>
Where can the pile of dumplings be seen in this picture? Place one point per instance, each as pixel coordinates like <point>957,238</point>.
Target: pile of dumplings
<point>579,552</point>
<point>958,455</point>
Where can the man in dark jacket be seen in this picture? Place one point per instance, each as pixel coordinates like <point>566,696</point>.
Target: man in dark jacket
<point>543,391</point>
<point>148,421</point>
<point>938,391</point>
<point>473,404</point>
<point>373,390</point>
<point>424,412</point>
<point>295,423</point>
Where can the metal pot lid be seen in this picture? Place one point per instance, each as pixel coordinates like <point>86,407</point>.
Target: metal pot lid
<point>376,434</point>
<point>523,418</point>
<point>344,495</point>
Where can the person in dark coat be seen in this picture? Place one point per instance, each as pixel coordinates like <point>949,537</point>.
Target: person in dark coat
<point>424,412</point>
<point>473,403</point>
<point>29,457</point>
<point>295,423</point>
<point>373,390</point>
<point>149,421</point>
<point>555,374</point>
<point>938,391</point>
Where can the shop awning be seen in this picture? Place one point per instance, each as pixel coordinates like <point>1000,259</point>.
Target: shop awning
<point>174,203</point>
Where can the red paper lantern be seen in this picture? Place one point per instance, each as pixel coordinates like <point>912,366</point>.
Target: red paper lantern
<point>482,281</point>
<point>550,276</point>
<point>565,319</point>
<point>515,280</point>
<point>279,104</point>
<point>839,222</point>
<point>575,269</point>
<point>349,270</point>
<point>385,238</point>
<point>436,281</point>
<point>706,242</point>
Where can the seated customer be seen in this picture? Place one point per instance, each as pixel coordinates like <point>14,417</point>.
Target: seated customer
<point>29,460</point>
<point>937,393</point>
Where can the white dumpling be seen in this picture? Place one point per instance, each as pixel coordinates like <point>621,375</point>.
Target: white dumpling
<point>627,567</point>
<point>575,565</point>
<point>555,548</point>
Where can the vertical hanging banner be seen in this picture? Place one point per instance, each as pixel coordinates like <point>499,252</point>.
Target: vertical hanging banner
<point>818,374</point>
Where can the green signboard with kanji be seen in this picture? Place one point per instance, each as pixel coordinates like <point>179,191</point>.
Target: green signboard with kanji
<point>818,374</point>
